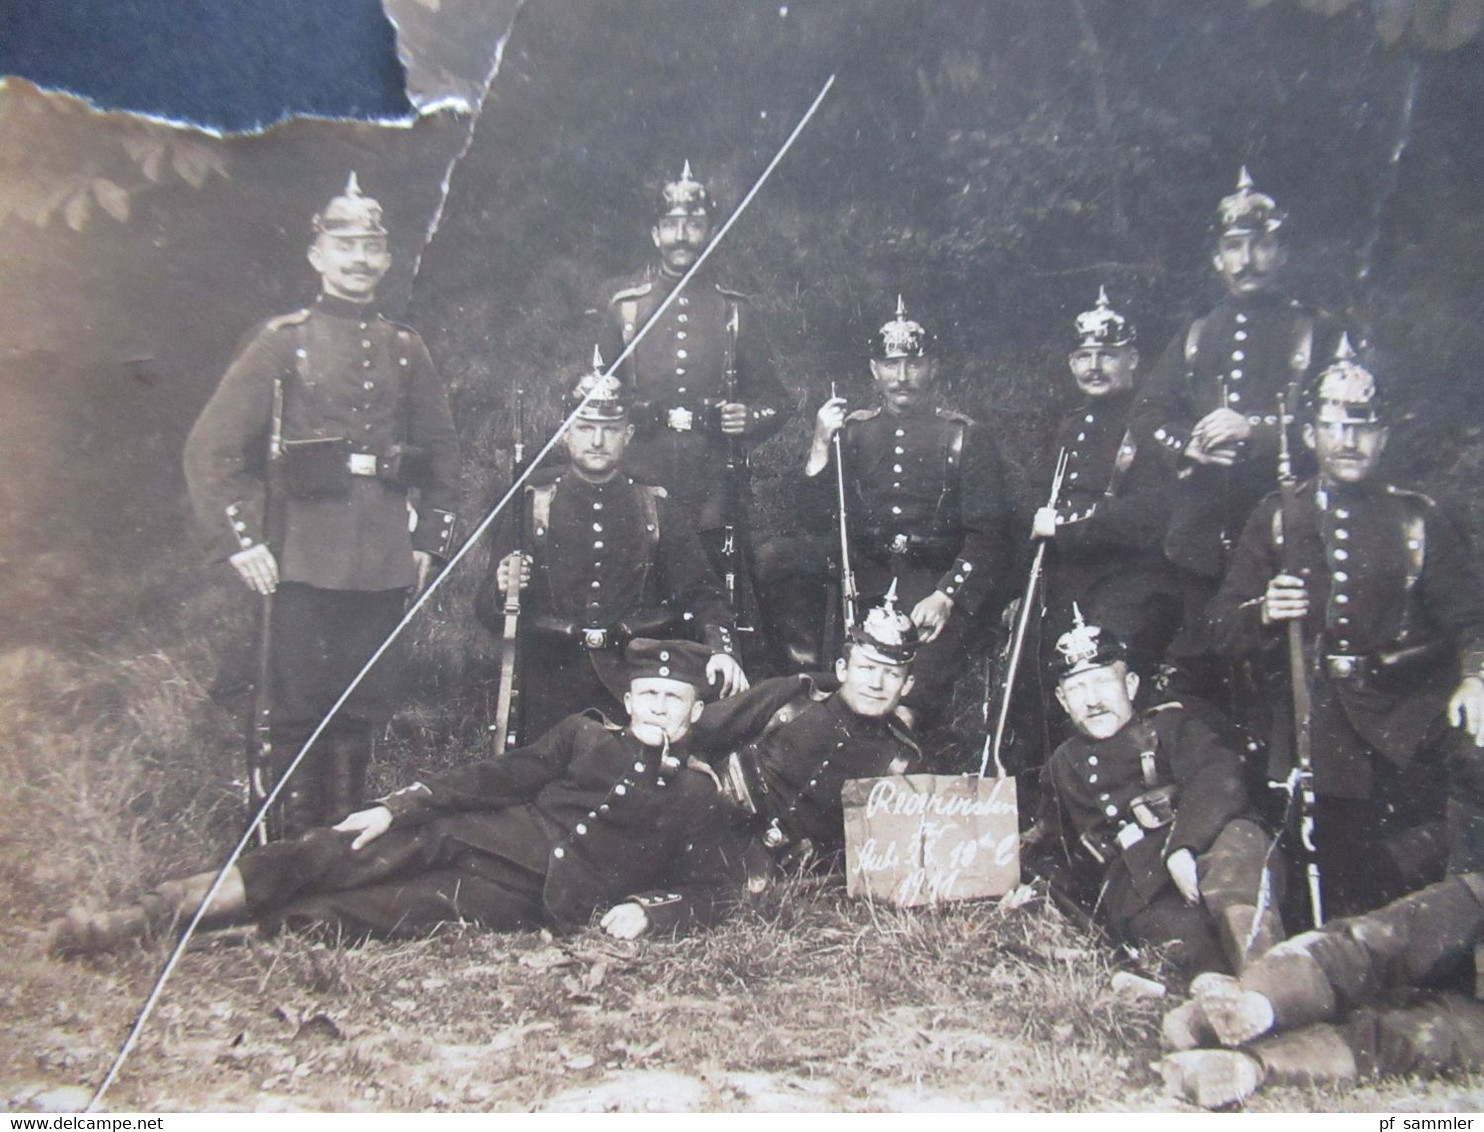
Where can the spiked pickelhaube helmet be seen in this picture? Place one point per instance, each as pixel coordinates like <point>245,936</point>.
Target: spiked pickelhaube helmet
<point>1248,212</point>
<point>352,213</point>
<point>1084,647</point>
<point>685,197</point>
<point>598,396</point>
<point>1346,392</point>
<point>1103,327</point>
<point>901,337</point>
<point>887,633</point>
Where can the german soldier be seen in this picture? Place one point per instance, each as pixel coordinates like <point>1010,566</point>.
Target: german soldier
<point>591,820</point>
<point>1152,810</point>
<point>678,376</point>
<point>1394,609</point>
<point>366,433</point>
<point>1106,529</point>
<point>608,559</point>
<point>792,742</point>
<point>1209,406</point>
<point>926,506</point>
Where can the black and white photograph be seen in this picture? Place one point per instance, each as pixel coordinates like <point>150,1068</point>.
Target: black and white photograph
<point>834,556</point>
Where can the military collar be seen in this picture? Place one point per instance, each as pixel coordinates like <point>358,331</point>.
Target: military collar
<point>337,307</point>
<point>1263,300</point>
<point>1112,403</point>
<point>571,481</point>
<point>837,707</point>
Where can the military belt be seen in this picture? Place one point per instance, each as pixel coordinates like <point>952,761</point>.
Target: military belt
<point>1347,666</point>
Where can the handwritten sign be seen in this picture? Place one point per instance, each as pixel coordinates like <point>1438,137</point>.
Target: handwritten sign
<point>923,838</point>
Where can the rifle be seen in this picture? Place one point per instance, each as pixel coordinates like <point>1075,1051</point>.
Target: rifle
<point>736,569</point>
<point>849,595</point>
<point>1300,783</point>
<point>994,741</point>
<point>507,704</point>
<point>259,749</point>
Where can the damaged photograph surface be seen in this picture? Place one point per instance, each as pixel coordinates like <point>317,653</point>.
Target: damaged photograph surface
<point>812,557</point>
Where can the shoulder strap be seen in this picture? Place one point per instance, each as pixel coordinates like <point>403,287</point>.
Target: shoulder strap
<point>1298,357</point>
<point>649,504</point>
<point>541,508</point>
<point>1193,339</point>
<point>1128,448</point>
<point>1414,528</point>
<point>628,311</point>
<point>1148,747</point>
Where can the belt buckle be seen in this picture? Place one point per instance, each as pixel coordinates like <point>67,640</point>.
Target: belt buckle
<point>681,419</point>
<point>595,638</point>
<point>1128,835</point>
<point>362,464</point>
<point>1343,666</point>
<point>899,544</point>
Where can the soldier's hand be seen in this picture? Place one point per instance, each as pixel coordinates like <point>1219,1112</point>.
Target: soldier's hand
<point>1466,708</point>
<point>1044,524</point>
<point>257,567</point>
<point>625,921</point>
<point>931,614</point>
<point>426,564</point>
<point>734,418</point>
<point>1181,867</point>
<point>502,572</point>
<point>1221,428</point>
<point>724,670</point>
<point>367,825</point>
<point>827,422</point>
<point>1286,599</point>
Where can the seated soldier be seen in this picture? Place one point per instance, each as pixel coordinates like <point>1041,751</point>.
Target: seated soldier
<point>606,559</point>
<point>1159,814</point>
<point>786,781</point>
<point>592,819</point>
<point>1342,1003</point>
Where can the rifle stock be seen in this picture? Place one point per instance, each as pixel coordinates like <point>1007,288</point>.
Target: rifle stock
<point>1301,779</point>
<point>259,748</point>
<point>507,703</point>
<point>736,569</point>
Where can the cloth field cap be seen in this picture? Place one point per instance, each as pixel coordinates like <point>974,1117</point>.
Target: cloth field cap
<point>1346,392</point>
<point>352,213</point>
<point>685,197</point>
<point>1084,647</point>
<point>901,337</point>
<point>886,632</point>
<point>684,661</point>
<point>600,397</point>
<point>1248,212</point>
<point>1103,327</point>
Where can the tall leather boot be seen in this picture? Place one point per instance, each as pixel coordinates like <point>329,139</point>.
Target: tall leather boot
<point>300,804</point>
<point>1246,936</point>
<point>344,777</point>
<point>161,912</point>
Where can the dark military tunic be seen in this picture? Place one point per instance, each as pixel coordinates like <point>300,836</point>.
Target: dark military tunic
<point>1396,616</point>
<point>345,556</point>
<point>802,743</point>
<point>1114,508</point>
<point>927,504</point>
<point>1088,786</point>
<point>1240,356</point>
<point>552,833</point>
<point>677,376</point>
<point>617,558</point>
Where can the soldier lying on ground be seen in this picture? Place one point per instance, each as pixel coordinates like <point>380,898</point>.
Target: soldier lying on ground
<point>606,559</point>
<point>591,819</point>
<point>785,782</point>
<point>1159,816</point>
<point>1342,1003</point>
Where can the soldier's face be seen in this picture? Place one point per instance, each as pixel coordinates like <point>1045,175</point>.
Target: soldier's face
<point>869,685</point>
<point>1101,371</point>
<point>681,240</point>
<point>350,267</point>
<point>905,383</point>
<point>1348,453</point>
<point>1100,700</point>
<point>1249,263</point>
<point>661,709</point>
<point>596,447</point>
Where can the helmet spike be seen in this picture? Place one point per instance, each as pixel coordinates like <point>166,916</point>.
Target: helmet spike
<point>890,600</point>
<point>352,185</point>
<point>1344,352</point>
<point>1244,180</point>
<point>685,171</point>
<point>1077,620</point>
<point>597,359</point>
<point>901,306</point>
<point>1102,297</point>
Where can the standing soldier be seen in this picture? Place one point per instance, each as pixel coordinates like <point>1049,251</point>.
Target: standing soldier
<point>1210,405</point>
<point>926,504</point>
<point>607,559</point>
<point>1105,530</point>
<point>1393,615</point>
<point>702,378</point>
<point>365,434</point>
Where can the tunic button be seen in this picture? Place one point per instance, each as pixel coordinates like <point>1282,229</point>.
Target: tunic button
<point>364,326</point>
<point>1341,576</point>
<point>681,354</point>
<point>597,506</point>
<point>896,485</point>
<point>581,829</point>
<point>598,545</point>
<point>900,432</point>
<point>896,510</point>
<point>301,352</point>
<point>1239,355</point>
<point>1341,513</point>
<point>1236,375</point>
<point>1088,418</point>
<point>682,318</point>
<point>603,809</point>
<point>1241,316</point>
<point>1342,599</point>
<point>899,450</point>
<point>680,390</point>
<point>1111,811</point>
<point>1092,778</point>
<point>1234,397</point>
<point>680,334</point>
<point>1082,436</point>
<point>1341,533</point>
<point>1072,475</point>
<point>597,585</point>
<point>365,363</point>
<point>1342,554</point>
<point>1240,336</point>
<point>684,301</point>
<point>366,343</point>
<point>897,468</point>
<point>558,852</point>
<point>598,528</point>
<point>620,789</point>
<point>368,385</point>
<point>639,767</point>
<point>1092,760</point>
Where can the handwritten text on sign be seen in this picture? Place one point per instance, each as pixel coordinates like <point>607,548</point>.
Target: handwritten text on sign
<point>922,838</point>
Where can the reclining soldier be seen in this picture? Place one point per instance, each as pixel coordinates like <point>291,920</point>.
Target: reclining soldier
<point>592,819</point>
<point>606,559</point>
<point>1158,813</point>
<point>807,740</point>
<point>1342,1003</point>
